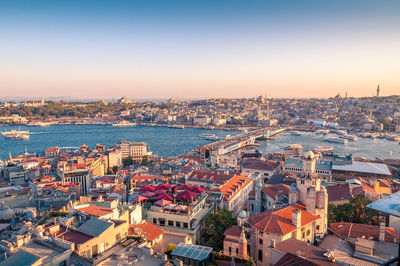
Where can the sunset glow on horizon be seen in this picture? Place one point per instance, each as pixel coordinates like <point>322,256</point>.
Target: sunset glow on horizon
<point>198,49</point>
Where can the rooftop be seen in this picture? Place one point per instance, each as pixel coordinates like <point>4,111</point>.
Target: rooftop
<point>94,227</point>
<point>193,252</point>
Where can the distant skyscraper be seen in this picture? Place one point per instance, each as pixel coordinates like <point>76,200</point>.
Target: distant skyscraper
<point>377,91</point>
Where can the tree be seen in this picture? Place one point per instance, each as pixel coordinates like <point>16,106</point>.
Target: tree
<point>355,211</point>
<point>127,161</point>
<point>215,226</point>
<point>171,247</point>
<point>145,160</point>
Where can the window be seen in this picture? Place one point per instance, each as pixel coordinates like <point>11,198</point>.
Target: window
<point>230,250</point>
<point>317,227</point>
<point>260,233</point>
<point>304,235</point>
<point>185,225</point>
<point>308,232</point>
<point>170,223</point>
<point>154,221</point>
<point>162,222</point>
<point>260,241</point>
<point>260,256</point>
<point>237,251</point>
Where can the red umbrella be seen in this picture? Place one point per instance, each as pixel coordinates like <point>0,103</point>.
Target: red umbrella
<point>148,194</point>
<point>162,202</point>
<point>165,197</point>
<point>186,195</point>
<point>197,189</point>
<point>160,192</point>
<point>139,199</point>
<point>147,188</point>
<point>164,186</point>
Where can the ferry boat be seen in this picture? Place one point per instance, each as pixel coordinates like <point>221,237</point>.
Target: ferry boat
<point>124,123</point>
<point>349,137</point>
<point>324,149</point>
<point>16,134</point>
<point>295,133</point>
<point>337,140</point>
<point>209,136</point>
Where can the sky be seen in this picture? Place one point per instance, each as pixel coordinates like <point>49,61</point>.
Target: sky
<point>199,49</point>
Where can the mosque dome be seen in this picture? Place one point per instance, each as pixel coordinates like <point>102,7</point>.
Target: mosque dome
<point>243,214</point>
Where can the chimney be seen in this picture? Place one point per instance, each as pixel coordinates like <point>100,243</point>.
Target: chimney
<point>382,228</point>
<point>296,218</point>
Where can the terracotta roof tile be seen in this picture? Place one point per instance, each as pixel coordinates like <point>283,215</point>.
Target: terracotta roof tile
<point>353,230</point>
<point>279,221</point>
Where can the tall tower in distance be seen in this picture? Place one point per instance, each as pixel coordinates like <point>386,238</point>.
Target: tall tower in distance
<point>377,91</point>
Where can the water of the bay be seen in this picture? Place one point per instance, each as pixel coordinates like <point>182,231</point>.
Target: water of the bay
<point>165,141</point>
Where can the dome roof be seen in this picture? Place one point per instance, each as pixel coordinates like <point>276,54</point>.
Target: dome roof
<point>243,214</point>
<point>309,155</point>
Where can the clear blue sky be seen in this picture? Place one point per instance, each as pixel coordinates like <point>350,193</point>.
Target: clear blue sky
<point>191,49</point>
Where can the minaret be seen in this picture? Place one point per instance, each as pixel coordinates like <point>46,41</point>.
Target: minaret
<point>258,198</point>
<point>243,244</point>
<point>377,91</point>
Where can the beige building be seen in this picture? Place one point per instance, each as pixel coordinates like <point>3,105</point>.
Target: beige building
<point>135,150</point>
<point>93,237</point>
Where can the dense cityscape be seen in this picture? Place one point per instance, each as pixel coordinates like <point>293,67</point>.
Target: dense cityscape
<point>199,133</point>
<point>223,202</point>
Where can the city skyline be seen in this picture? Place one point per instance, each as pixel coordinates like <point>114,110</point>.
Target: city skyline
<point>204,49</point>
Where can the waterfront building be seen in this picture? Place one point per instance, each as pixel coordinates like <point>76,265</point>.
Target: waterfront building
<point>135,150</point>
<point>337,167</point>
<point>293,151</point>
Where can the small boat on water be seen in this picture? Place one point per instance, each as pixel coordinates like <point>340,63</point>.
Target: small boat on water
<point>336,140</point>
<point>209,136</point>
<point>124,123</point>
<point>295,133</point>
<point>16,134</point>
<point>323,149</point>
<point>349,137</point>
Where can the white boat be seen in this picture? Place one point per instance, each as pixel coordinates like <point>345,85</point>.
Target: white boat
<point>16,134</point>
<point>209,136</point>
<point>349,137</point>
<point>295,133</point>
<point>124,123</point>
<point>336,140</point>
<point>324,149</point>
<point>340,132</point>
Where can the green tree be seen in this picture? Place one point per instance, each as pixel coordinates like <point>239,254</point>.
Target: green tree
<point>355,211</point>
<point>145,160</point>
<point>127,161</point>
<point>215,226</point>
